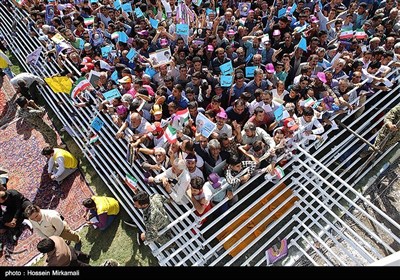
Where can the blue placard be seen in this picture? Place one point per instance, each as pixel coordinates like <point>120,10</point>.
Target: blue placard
<point>182,29</point>
<point>114,93</point>
<point>294,7</point>
<point>153,22</point>
<point>281,12</point>
<point>117,4</point>
<point>226,81</point>
<point>278,113</point>
<point>150,71</point>
<point>303,44</point>
<point>97,124</point>
<point>94,1</point>
<point>131,54</point>
<point>249,71</point>
<point>127,7</point>
<point>138,12</point>
<point>122,37</point>
<point>81,43</point>
<point>106,50</point>
<point>250,56</point>
<point>114,76</point>
<point>226,68</point>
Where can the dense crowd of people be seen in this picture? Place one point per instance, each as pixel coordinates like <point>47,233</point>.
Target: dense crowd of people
<point>213,91</point>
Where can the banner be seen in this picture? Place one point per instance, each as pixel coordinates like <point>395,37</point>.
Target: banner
<point>59,84</point>
<point>33,57</point>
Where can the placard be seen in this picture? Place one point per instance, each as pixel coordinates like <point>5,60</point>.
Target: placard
<point>160,57</point>
<point>249,71</point>
<point>204,125</point>
<point>97,124</point>
<point>111,94</point>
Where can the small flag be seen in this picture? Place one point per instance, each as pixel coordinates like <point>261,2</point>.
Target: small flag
<point>80,85</point>
<point>308,102</point>
<point>93,139</point>
<point>360,34</point>
<point>34,56</point>
<point>182,116</point>
<point>279,173</point>
<point>115,35</point>
<point>131,182</point>
<point>59,84</point>
<point>88,21</point>
<point>346,33</point>
<point>170,134</point>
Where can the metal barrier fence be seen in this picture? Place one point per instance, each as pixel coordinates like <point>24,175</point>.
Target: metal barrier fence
<point>323,188</point>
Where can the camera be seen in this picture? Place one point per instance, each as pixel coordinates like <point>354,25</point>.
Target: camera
<point>172,181</point>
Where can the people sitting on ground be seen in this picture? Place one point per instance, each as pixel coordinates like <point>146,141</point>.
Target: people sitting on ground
<point>13,204</point>
<point>58,253</point>
<point>100,211</point>
<point>61,163</point>
<point>33,114</point>
<point>48,222</point>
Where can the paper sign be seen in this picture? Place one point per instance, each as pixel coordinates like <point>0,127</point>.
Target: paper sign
<point>131,54</point>
<point>182,29</point>
<point>150,71</point>
<point>278,113</point>
<point>204,125</point>
<point>81,44</point>
<point>250,71</point>
<point>226,81</point>
<point>160,57</point>
<point>111,94</point>
<point>114,76</point>
<point>250,56</point>
<point>154,23</point>
<point>281,12</point>
<point>122,37</point>
<point>97,124</point>
<point>94,1</point>
<point>226,68</point>
<point>57,38</point>
<point>138,12</point>
<point>197,2</point>
<point>105,51</point>
<point>117,4</point>
<point>127,7</point>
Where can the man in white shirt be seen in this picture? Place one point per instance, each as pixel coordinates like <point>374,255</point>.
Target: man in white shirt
<point>47,222</point>
<point>307,123</point>
<point>175,181</point>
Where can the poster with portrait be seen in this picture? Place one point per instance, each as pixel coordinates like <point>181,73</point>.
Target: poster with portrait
<point>94,77</point>
<point>244,9</point>
<point>160,57</point>
<point>204,125</point>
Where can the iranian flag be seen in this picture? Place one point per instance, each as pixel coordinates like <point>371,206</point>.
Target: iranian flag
<point>80,85</point>
<point>346,33</point>
<point>88,21</point>
<point>115,35</point>
<point>360,34</point>
<point>279,173</point>
<point>308,102</point>
<point>131,182</point>
<point>93,139</point>
<point>182,116</point>
<point>170,134</point>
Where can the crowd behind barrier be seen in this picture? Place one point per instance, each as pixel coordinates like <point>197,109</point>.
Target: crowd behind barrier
<point>76,52</point>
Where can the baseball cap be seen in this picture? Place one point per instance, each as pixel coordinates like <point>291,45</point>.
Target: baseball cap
<point>121,110</point>
<point>222,115</point>
<point>231,32</point>
<point>125,80</point>
<point>87,46</point>
<point>290,124</point>
<point>86,60</point>
<point>322,77</point>
<point>157,110</point>
<point>163,42</point>
<point>143,33</point>
<point>88,67</point>
<point>214,180</point>
<point>276,32</point>
<point>210,48</point>
<point>270,68</point>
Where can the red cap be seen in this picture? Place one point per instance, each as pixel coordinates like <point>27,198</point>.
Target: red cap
<point>86,60</point>
<point>290,124</point>
<point>88,67</point>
